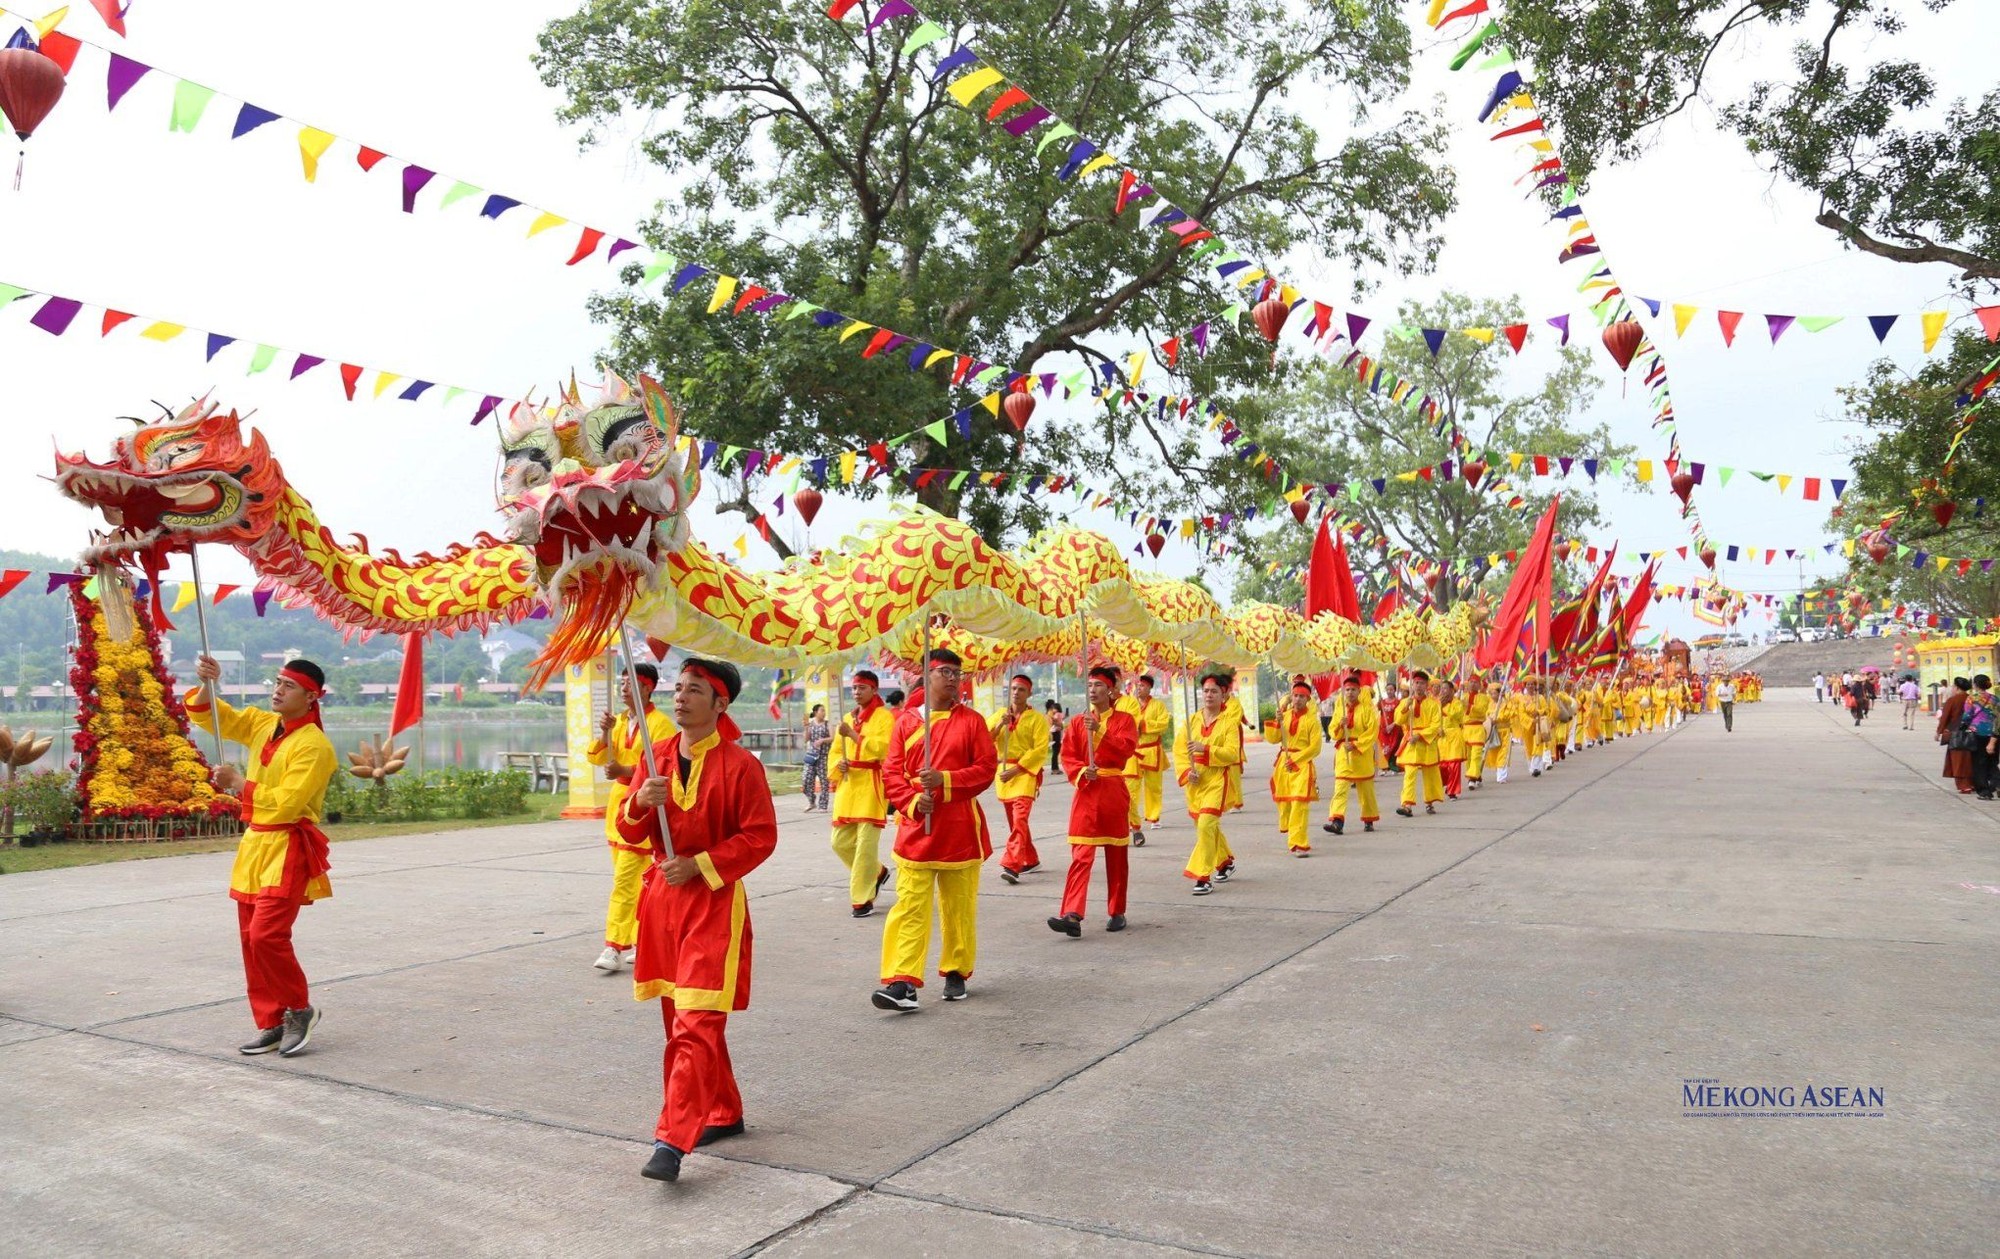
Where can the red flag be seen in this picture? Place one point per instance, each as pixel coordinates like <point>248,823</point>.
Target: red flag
<point>1387,608</point>
<point>409,710</point>
<point>1329,581</point>
<point>1564,629</point>
<point>1635,603</point>
<point>113,14</point>
<point>1526,605</point>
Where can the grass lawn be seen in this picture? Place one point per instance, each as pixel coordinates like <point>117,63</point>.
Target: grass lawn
<point>541,808</point>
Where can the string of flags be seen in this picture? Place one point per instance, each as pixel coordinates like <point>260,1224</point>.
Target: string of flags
<point>184,596</point>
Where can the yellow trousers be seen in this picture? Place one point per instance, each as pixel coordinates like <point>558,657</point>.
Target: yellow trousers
<point>906,936</point>
<point>1475,758</point>
<point>621,915</point>
<point>1293,818</point>
<point>859,847</point>
<point>1429,777</point>
<point>1211,847</point>
<point>1152,784</point>
<point>1364,788</point>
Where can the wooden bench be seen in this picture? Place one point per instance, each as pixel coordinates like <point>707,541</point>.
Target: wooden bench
<point>548,772</point>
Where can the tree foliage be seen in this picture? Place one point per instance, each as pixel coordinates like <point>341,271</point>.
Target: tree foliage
<point>1900,466</point>
<point>1899,172</point>
<point>819,160</point>
<point>1328,428</point>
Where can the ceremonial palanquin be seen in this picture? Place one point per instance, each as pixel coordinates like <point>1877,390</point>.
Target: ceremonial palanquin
<point>594,501</point>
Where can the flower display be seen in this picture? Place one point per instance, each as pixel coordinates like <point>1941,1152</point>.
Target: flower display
<point>136,759</point>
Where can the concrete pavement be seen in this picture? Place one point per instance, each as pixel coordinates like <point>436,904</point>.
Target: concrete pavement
<point>1461,1034</point>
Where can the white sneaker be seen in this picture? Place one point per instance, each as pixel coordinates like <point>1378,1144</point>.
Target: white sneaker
<point>609,961</point>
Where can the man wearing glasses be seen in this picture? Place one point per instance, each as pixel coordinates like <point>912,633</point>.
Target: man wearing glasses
<point>281,863</point>
<point>941,840</point>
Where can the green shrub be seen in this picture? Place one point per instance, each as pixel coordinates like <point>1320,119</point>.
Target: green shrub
<point>437,795</point>
<point>43,803</point>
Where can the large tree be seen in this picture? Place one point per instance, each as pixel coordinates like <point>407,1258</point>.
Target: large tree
<point>1899,171</point>
<point>819,160</point>
<point>1900,467</point>
<point>1327,428</point>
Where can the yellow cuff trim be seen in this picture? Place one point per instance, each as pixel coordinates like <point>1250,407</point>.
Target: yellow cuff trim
<point>708,874</point>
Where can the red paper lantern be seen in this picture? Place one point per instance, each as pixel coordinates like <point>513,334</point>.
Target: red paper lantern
<point>1300,510</point>
<point>1270,315</point>
<point>1154,542</point>
<point>807,502</point>
<point>1474,469</point>
<point>1020,408</point>
<point>1563,550</point>
<point>1683,485</point>
<point>1431,579</point>
<point>1622,339</point>
<point>30,86</point>
<point>1708,557</point>
<point>1943,512</point>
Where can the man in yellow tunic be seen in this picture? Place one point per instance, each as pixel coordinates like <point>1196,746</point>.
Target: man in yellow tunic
<point>1021,737</point>
<point>281,862</point>
<point>1422,719</point>
<point>1662,704</point>
<point>1532,723</point>
<point>618,752</point>
<point>860,805</point>
<point>1144,772</point>
<point>1353,731</point>
<point>1208,759</point>
<point>1295,778</point>
<point>1451,739</point>
<point>1562,716</point>
<point>1478,706</point>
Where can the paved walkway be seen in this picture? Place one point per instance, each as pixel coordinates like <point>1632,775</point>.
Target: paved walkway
<point>1461,1035</point>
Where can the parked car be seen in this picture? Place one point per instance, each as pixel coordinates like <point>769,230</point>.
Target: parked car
<point>1783,635</point>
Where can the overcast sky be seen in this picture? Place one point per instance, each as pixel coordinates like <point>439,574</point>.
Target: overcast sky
<point>225,235</point>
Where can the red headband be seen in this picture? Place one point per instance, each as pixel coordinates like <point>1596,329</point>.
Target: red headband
<point>725,725</point>
<point>303,682</point>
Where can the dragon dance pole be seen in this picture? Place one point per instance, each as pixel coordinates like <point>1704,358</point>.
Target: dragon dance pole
<point>645,733</point>
<point>201,623</point>
<point>924,706</point>
<point>1083,676</point>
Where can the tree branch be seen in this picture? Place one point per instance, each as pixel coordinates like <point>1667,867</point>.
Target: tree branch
<point>1976,267</point>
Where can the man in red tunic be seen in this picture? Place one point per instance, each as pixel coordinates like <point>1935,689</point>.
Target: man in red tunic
<point>694,912</point>
<point>1095,750</point>
<point>941,838</point>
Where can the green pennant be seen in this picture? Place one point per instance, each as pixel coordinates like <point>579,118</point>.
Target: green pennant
<point>1724,474</point>
<point>795,310</point>
<point>959,479</point>
<point>1207,247</point>
<point>262,359</point>
<point>1061,131</point>
<point>451,391</point>
<point>90,588</point>
<point>729,454</point>
<point>190,102</point>
<point>1234,314</point>
<point>1474,44</point>
<point>990,375</point>
<point>1819,323</point>
<point>924,36</point>
<point>1617,467</point>
<point>459,192</point>
<point>9,294</point>
<point>1762,476</point>
<point>938,431</point>
<point>657,268</point>
<point>1502,57</point>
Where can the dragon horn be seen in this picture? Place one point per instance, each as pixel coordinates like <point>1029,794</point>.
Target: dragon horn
<point>659,407</point>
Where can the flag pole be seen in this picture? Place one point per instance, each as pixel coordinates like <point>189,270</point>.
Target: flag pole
<point>924,706</point>
<point>1083,675</point>
<point>638,702</point>
<point>201,623</point>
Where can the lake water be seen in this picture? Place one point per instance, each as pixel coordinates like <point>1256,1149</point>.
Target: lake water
<point>458,745</point>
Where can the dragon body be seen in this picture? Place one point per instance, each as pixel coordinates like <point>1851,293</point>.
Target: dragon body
<point>594,500</point>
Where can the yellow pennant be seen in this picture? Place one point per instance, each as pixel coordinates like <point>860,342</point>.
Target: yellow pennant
<point>992,403</point>
<point>847,467</point>
<point>1482,335</point>
<point>1250,277</point>
<point>851,329</point>
<point>743,545</point>
<point>1943,562</point>
<point>1134,368</point>
<point>1784,482</point>
<point>184,598</point>
<point>313,144</point>
<point>544,221</point>
<point>1514,458</point>
<point>969,85</point>
<point>1645,470</point>
<point>1683,316</point>
<point>383,380</point>
<point>1096,164</point>
<point>49,22</point>
<point>161,330</point>
<point>725,288</point>
<point>1933,328</point>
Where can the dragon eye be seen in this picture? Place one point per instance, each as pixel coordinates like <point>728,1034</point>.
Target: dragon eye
<point>619,434</point>
<point>528,463</point>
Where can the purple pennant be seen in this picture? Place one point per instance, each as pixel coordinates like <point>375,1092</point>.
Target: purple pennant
<point>890,9</point>
<point>1778,324</point>
<point>1881,324</point>
<point>1048,384</point>
<point>1567,461</point>
<point>59,580</point>
<point>414,179</point>
<point>304,364</point>
<point>1025,121</point>
<point>215,343</point>
<point>769,302</point>
<point>1561,324</point>
<point>619,246</point>
<point>960,56</point>
<point>496,205</point>
<point>121,77</point>
<point>1356,325</point>
<point>1200,338</point>
<point>248,119</point>
<point>260,599</point>
<point>486,405</point>
<point>55,315</point>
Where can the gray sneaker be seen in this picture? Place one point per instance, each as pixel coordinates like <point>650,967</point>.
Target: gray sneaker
<point>267,1040</point>
<point>299,1025</point>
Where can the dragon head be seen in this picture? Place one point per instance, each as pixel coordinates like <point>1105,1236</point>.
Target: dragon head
<point>185,479</point>
<point>600,495</point>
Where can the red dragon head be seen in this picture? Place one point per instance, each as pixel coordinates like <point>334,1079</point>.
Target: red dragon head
<point>184,479</point>
<point>600,495</point>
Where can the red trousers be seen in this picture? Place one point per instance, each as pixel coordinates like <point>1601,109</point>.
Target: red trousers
<point>1453,773</point>
<point>700,1084</point>
<point>271,970</point>
<point>1020,852</point>
<point>1076,888</point>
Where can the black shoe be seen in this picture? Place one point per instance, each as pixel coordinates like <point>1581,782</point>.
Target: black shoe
<point>1138,839</point>
<point>1036,866</point>
<point>1202,887</point>
<point>880,879</point>
<point>716,1132</point>
<point>299,1025</point>
<point>1406,811</point>
<point>665,1163</point>
<point>1430,808</point>
<point>1066,925</point>
<point>1535,773</point>
<point>267,1040</point>
<point>901,995</point>
<point>1225,871</point>
<point>954,986</point>
<point>863,911</point>
<point>1368,826</point>
<point>1011,876</point>
<point>1334,825</point>
<point>1116,923</point>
